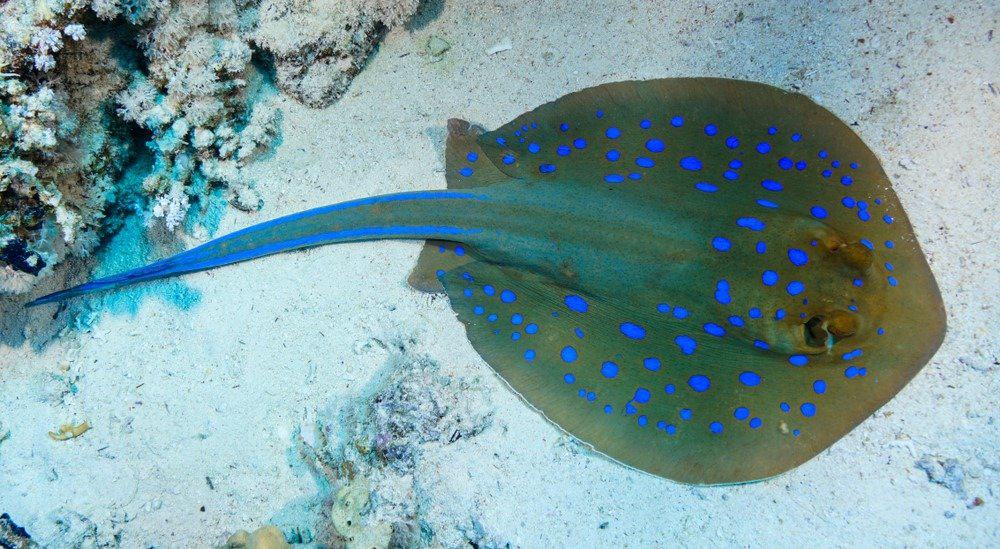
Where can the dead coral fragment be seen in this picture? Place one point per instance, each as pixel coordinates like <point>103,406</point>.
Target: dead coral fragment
<point>265,537</point>
<point>68,430</point>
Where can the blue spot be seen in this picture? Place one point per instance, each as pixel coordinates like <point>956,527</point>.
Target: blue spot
<point>608,409</point>
<point>711,130</point>
<point>576,303</point>
<point>850,372</point>
<point>761,247</point>
<point>635,176</point>
<point>854,165</point>
<point>779,314</point>
<point>732,142</point>
<point>785,407</point>
<point>460,250</point>
<point>716,427</point>
<point>769,278</point>
<point>712,328</point>
<point>795,287</point>
<point>736,163</point>
<point>763,147</point>
<point>613,133</point>
<point>797,257</point>
<point>467,292</point>
<point>568,354</point>
<point>796,137</point>
<point>760,344</point>
<point>835,163</point>
<point>722,292</point>
<point>580,143</point>
<point>867,244</point>
<point>641,395</point>
<point>516,319</point>
<point>591,396</point>
<point>501,141</point>
<point>509,159</point>
<point>818,212</point>
<point>823,154</point>
<point>492,318</point>
<point>632,331</point>
<point>736,321</point>
<point>858,282</point>
<point>808,409</point>
<point>721,243</point>
<point>685,414</point>
<point>767,203</point>
<point>529,355</point>
<point>642,420</point>
<point>755,423</point>
<point>472,156</point>
<point>609,369</point>
<point>652,363</point>
<point>826,173</point>
<point>686,344</point>
<point>751,223</point>
<point>741,413</point>
<point>680,312</point>
<point>819,386</point>
<point>578,332</point>
<point>531,329</point>
<point>888,219</point>
<point>846,181</point>
<point>771,185</point>
<point>478,309</point>
<point>629,409</point>
<point>563,150</point>
<point>563,127</point>
<point>489,290</point>
<point>750,379</point>
<point>848,202</point>
<point>569,378</point>
<point>439,273</point>
<point>705,187</point>
<point>772,130</point>
<point>798,360</point>
<point>800,165</point>
<point>614,178</point>
<point>533,148</point>
<point>863,215</point>
<point>508,296</point>
<point>663,308</point>
<point>730,175</point>
<point>669,388</point>
<point>880,331</point>
<point>466,171</point>
<point>754,312</point>
<point>677,121</point>
<point>546,168</point>
<point>644,162</point>
<point>655,145</point>
<point>785,163</point>
<point>699,383</point>
<point>645,124</point>
<point>851,355</point>
<point>600,114</point>
<point>613,155</point>
<point>690,163</point>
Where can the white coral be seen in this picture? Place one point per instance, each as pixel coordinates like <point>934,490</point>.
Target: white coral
<point>75,31</point>
<point>171,206</point>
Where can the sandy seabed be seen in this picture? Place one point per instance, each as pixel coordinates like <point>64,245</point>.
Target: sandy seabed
<point>221,390</point>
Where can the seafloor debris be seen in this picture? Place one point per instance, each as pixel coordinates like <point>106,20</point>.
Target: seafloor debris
<point>944,471</point>
<point>67,431</point>
<point>13,536</point>
<point>110,109</point>
<point>370,455</point>
<point>265,537</point>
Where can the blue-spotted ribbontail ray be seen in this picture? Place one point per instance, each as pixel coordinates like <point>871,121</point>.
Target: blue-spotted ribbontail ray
<point>709,280</point>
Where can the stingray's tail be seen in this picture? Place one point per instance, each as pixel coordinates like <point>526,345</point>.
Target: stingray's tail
<point>416,215</point>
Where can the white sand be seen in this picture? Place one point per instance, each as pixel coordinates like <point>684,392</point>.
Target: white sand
<point>217,391</point>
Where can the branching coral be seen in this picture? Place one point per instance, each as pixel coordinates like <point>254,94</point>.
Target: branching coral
<point>88,87</point>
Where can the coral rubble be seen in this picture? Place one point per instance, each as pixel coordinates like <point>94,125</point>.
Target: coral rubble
<point>371,454</point>
<point>95,92</point>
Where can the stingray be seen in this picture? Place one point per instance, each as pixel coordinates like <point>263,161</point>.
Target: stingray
<point>709,280</point>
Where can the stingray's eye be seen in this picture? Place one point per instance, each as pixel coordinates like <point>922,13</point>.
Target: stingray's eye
<point>856,255</point>
<point>826,330</point>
